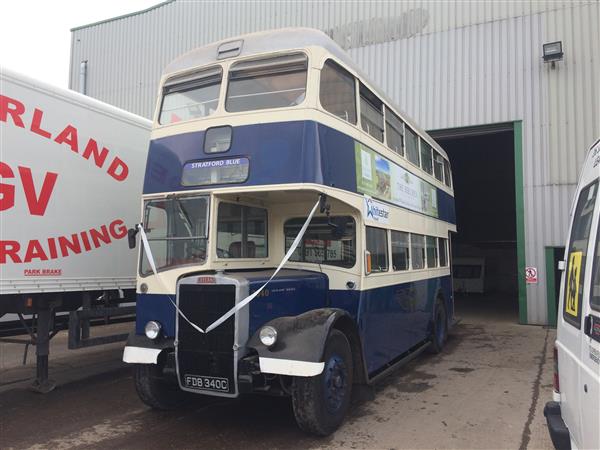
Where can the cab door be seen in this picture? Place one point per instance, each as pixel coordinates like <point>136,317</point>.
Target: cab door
<point>590,346</point>
<point>570,342</point>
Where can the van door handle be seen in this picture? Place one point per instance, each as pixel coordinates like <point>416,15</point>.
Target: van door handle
<point>587,326</point>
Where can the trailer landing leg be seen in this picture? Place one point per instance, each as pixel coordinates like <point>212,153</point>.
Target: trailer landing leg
<point>45,321</point>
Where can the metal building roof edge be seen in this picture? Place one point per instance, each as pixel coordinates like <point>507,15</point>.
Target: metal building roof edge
<point>124,16</point>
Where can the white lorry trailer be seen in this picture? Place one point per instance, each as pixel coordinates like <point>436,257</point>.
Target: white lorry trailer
<point>71,175</point>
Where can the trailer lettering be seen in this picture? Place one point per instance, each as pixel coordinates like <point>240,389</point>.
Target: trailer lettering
<point>117,169</point>
<point>68,136</point>
<point>14,108</point>
<point>62,246</point>
<point>36,204</point>
<point>7,191</point>
<point>36,124</point>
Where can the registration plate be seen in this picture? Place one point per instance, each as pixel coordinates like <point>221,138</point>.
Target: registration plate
<point>206,383</point>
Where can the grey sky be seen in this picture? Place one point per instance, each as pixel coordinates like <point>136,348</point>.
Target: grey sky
<point>35,37</point>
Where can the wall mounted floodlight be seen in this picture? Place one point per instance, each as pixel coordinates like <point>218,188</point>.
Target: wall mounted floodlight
<point>553,52</point>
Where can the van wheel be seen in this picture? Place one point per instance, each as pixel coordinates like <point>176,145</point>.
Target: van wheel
<point>156,391</point>
<point>439,332</point>
<point>321,402</point>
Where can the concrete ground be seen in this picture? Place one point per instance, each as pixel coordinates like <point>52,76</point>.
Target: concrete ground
<point>487,390</point>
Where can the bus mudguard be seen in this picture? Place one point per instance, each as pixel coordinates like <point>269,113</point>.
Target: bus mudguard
<point>141,350</point>
<point>300,343</point>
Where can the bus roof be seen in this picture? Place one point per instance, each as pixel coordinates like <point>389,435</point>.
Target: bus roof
<point>280,40</point>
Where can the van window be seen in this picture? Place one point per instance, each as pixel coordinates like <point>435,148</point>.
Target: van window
<point>338,92</point>
<point>417,251</point>
<point>241,231</point>
<point>267,83</point>
<point>323,243</point>
<point>576,256</point>
<point>371,113</point>
<point>412,146</point>
<point>400,250</point>
<point>394,132</point>
<point>377,246</point>
<point>595,286</point>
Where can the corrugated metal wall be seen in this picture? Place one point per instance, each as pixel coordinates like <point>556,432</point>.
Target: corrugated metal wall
<point>447,64</point>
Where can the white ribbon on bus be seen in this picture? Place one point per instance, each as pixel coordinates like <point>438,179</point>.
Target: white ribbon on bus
<point>245,301</point>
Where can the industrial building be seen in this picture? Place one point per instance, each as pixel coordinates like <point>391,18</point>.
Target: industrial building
<point>510,90</point>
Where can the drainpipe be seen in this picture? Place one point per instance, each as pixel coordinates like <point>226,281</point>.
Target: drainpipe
<point>83,77</point>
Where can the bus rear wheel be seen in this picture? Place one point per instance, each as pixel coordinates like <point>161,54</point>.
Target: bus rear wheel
<point>321,402</point>
<point>155,390</point>
<point>439,332</point>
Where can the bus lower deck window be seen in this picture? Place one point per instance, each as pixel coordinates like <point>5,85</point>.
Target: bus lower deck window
<point>377,247</point>
<point>417,251</point>
<point>400,250</point>
<point>265,83</point>
<point>241,231</point>
<point>443,252</point>
<point>432,251</point>
<point>323,243</point>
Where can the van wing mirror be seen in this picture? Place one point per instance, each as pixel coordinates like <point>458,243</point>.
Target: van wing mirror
<point>131,237</point>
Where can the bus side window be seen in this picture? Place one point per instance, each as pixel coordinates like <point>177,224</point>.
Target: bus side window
<point>412,146</point>
<point>417,251</point>
<point>432,251</point>
<point>337,92</point>
<point>377,247</point>
<point>394,132</point>
<point>426,157</point>
<point>595,286</point>
<point>400,250</point>
<point>371,113</point>
<point>447,175</point>
<point>438,164</point>
<point>576,256</point>
<point>443,252</point>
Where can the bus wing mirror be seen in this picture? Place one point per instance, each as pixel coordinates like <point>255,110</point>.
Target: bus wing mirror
<point>131,235</point>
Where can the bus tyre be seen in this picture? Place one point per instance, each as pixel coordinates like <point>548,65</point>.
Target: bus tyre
<point>154,390</point>
<point>321,402</point>
<point>439,332</point>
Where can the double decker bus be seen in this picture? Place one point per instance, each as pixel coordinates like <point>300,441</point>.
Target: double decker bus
<point>295,233</point>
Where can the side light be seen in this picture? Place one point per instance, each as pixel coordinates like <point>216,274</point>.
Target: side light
<point>268,336</point>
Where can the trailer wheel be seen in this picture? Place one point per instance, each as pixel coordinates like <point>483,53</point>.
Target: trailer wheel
<point>439,332</point>
<point>154,390</point>
<point>321,402</point>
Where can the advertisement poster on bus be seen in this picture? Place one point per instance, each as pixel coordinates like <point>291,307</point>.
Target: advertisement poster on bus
<point>380,178</point>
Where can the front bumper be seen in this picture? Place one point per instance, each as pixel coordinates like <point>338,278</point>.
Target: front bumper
<point>559,433</point>
<point>141,350</point>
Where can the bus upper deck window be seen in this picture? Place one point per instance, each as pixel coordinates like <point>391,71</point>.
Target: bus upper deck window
<point>412,146</point>
<point>275,82</point>
<point>191,97</point>
<point>394,132</point>
<point>338,92</point>
<point>426,157</point>
<point>438,164</point>
<point>371,113</point>
<point>447,175</point>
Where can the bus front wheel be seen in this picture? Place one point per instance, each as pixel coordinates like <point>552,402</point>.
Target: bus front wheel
<point>155,390</point>
<point>321,402</point>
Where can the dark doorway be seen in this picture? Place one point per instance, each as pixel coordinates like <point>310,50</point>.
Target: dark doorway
<point>485,247</point>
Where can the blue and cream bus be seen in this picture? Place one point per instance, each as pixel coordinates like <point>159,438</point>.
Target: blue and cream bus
<point>295,231</point>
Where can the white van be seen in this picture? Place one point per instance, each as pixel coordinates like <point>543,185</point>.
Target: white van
<point>574,415</point>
